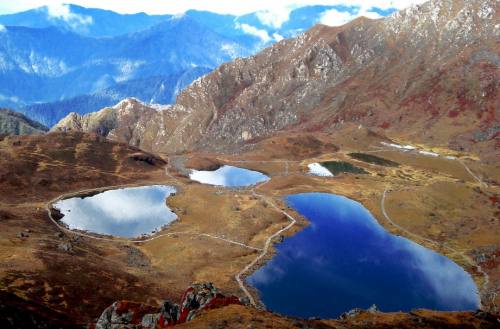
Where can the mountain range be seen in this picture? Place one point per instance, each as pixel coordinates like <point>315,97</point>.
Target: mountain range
<point>428,74</point>
<point>56,57</point>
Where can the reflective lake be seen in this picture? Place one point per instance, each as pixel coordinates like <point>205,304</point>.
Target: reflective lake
<point>127,212</point>
<point>228,176</point>
<point>345,259</point>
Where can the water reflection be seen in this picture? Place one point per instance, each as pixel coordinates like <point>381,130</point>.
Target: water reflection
<point>317,169</point>
<point>127,212</point>
<point>228,176</point>
<point>345,259</point>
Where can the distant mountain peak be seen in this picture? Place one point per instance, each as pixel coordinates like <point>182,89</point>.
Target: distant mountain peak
<point>423,74</point>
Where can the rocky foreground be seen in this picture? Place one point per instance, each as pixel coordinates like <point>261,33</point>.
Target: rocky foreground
<point>199,300</point>
<point>196,299</point>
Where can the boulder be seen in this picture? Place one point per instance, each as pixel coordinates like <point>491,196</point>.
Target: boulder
<point>131,315</point>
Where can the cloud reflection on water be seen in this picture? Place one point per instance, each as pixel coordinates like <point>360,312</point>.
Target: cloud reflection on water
<point>228,176</point>
<point>128,212</point>
<point>354,262</point>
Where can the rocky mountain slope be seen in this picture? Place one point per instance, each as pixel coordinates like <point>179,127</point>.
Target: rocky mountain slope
<point>57,52</point>
<point>13,123</point>
<point>428,74</point>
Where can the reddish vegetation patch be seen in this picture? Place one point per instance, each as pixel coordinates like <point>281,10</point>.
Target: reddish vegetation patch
<point>490,116</point>
<point>492,261</point>
<point>196,299</point>
<point>495,200</point>
<point>453,113</point>
<point>463,101</point>
<point>385,125</point>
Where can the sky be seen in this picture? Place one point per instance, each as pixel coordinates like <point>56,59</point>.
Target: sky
<point>236,7</point>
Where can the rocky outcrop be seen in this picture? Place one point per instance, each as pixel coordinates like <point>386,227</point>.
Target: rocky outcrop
<point>429,73</point>
<point>130,315</point>
<point>13,123</point>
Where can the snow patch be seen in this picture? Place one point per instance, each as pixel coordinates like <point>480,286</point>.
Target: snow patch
<point>401,147</point>
<point>432,154</point>
<point>318,170</point>
<point>128,104</point>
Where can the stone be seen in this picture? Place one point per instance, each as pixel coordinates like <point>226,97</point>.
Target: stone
<point>131,315</point>
<point>65,246</point>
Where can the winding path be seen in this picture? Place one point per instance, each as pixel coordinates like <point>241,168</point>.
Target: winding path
<point>268,242</point>
<point>49,204</point>
<point>419,237</point>
<point>472,174</point>
<point>266,245</point>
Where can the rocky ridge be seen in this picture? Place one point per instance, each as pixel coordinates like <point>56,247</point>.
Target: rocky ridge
<point>429,73</point>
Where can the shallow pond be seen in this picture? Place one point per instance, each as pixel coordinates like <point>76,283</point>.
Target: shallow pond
<point>228,176</point>
<point>345,259</point>
<point>127,212</point>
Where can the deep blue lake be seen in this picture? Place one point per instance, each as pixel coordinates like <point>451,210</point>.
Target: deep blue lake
<point>345,259</point>
<point>228,176</point>
<point>127,212</point>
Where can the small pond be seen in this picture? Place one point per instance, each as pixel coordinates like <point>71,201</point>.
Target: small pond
<point>127,212</point>
<point>345,259</point>
<point>228,176</point>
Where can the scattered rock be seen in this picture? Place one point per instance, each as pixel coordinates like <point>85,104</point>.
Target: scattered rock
<point>357,311</point>
<point>136,258</point>
<point>65,246</point>
<point>22,235</point>
<point>131,315</point>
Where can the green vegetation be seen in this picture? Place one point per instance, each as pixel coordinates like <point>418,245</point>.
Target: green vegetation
<point>373,159</point>
<point>337,167</point>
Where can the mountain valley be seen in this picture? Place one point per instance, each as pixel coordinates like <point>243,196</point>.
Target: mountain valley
<point>401,113</point>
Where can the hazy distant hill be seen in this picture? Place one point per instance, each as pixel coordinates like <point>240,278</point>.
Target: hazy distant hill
<point>86,21</point>
<point>13,123</point>
<point>158,89</point>
<point>40,65</point>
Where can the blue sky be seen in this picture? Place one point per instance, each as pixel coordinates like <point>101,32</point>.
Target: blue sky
<point>237,7</point>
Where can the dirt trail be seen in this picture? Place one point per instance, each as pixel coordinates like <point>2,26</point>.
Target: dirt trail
<point>417,237</point>
<point>266,245</point>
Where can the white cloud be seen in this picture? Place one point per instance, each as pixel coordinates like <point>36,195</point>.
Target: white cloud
<point>274,18</point>
<point>63,12</point>
<point>2,28</point>
<point>220,6</point>
<point>333,17</point>
<point>252,30</point>
<point>277,37</point>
